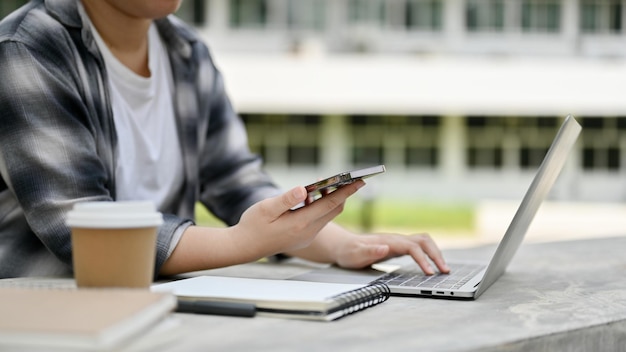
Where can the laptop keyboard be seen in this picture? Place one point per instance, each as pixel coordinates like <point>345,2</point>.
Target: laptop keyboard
<point>413,277</point>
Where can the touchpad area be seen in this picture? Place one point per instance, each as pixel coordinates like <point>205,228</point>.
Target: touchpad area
<point>338,275</point>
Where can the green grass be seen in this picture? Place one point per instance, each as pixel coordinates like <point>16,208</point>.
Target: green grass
<point>388,215</point>
<point>403,216</point>
<point>205,218</point>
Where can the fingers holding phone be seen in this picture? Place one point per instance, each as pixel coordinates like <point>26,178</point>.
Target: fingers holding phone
<point>316,194</point>
<point>326,186</point>
<point>271,226</point>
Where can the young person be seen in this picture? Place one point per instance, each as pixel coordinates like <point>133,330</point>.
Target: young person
<point>117,100</point>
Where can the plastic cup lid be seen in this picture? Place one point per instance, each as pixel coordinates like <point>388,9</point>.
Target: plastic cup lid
<point>122,214</point>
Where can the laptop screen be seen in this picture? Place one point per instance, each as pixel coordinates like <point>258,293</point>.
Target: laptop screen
<point>546,175</point>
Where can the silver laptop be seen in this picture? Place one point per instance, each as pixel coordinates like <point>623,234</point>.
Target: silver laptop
<point>468,280</point>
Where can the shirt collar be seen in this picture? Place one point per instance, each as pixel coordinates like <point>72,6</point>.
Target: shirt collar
<point>65,11</point>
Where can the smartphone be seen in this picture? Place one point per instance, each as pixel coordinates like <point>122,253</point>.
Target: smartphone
<point>315,190</point>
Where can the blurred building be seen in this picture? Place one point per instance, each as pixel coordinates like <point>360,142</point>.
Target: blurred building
<point>458,98</point>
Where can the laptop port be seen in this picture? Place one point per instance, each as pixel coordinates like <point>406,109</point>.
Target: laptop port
<point>440,292</point>
<point>425,292</point>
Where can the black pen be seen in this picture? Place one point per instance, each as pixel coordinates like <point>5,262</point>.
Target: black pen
<point>217,308</point>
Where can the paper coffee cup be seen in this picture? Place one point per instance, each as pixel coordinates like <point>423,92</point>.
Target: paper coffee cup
<point>114,243</point>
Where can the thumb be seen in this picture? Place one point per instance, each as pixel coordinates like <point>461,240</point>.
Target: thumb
<point>278,205</point>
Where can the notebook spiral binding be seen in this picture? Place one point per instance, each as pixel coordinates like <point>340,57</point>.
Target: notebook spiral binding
<point>362,298</point>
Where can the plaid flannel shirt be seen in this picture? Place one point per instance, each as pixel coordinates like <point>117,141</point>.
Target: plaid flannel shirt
<point>58,140</point>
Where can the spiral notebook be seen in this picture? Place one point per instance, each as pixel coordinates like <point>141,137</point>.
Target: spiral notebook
<point>281,298</point>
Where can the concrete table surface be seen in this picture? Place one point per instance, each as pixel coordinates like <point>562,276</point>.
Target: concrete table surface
<point>558,296</point>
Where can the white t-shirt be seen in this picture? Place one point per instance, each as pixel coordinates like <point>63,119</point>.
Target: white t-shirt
<point>149,162</point>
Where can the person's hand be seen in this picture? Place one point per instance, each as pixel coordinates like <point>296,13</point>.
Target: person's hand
<point>271,226</point>
<point>359,251</point>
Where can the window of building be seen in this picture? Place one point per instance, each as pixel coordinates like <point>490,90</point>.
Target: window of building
<point>424,15</point>
<point>621,123</point>
<point>367,155</point>
<point>601,158</point>
<point>484,157</point>
<point>541,16</point>
<point>531,157</point>
<point>410,141</point>
<point>602,143</point>
<point>284,140</point>
<point>192,11</point>
<point>484,15</point>
<point>302,155</point>
<point>367,135</point>
<point>485,140</point>
<point>396,15</point>
<point>422,134</point>
<point>423,156</point>
<point>366,12</point>
<point>307,15</point>
<point>509,142</point>
<point>535,135</point>
<point>601,16</point>
<point>248,13</point>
